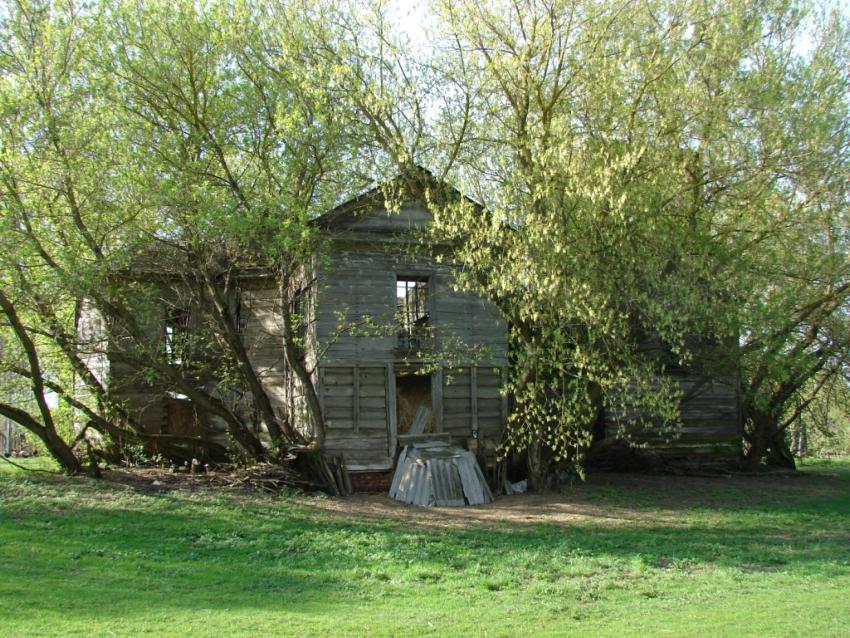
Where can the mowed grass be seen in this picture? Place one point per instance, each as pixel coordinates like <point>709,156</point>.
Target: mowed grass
<point>619,555</point>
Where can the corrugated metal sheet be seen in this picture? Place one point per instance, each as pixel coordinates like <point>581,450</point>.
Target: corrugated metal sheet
<point>397,474</point>
<point>436,474</point>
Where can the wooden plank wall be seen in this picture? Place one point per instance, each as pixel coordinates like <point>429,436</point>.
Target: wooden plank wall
<point>91,332</point>
<point>472,402</point>
<point>359,403</point>
<point>125,383</point>
<point>356,280</point>
<point>357,408</point>
<point>711,420</point>
<point>356,284</point>
<point>457,404</point>
<point>263,334</point>
<point>359,285</point>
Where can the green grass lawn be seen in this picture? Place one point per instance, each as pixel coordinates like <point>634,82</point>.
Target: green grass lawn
<point>621,555</point>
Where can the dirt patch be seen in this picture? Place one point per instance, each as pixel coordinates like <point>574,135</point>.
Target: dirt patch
<point>529,509</point>
<point>609,499</point>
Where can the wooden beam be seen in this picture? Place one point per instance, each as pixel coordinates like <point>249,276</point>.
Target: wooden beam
<point>392,410</point>
<point>320,389</point>
<point>437,398</point>
<point>473,399</point>
<point>504,399</point>
<point>356,370</point>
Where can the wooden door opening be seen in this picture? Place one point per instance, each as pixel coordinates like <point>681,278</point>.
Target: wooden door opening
<point>412,392</point>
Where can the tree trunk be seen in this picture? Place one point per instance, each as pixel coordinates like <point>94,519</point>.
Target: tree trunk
<point>296,364</point>
<point>538,466</point>
<point>779,454</point>
<point>767,444</point>
<point>60,451</point>
<point>280,431</point>
<point>56,446</point>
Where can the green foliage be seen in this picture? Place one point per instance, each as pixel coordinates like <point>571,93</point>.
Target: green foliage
<point>149,154</point>
<point>822,428</point>
<point>647,182</point>
<point>656,185</point>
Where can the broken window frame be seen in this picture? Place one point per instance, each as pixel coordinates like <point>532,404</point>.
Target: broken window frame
<point>175,335</point>
<point>413,318</point>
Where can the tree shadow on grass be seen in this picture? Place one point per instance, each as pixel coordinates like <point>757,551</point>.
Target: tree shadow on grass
<point>115,554</point>
<point>165,553</point>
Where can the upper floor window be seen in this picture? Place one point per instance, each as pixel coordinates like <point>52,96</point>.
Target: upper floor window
<point>176,333</point>
<point>411,310</point>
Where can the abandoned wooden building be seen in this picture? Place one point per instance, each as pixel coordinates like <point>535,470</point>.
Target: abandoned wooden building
<point>371,385</point>
<point>386,333</point>
<point>381,321</point>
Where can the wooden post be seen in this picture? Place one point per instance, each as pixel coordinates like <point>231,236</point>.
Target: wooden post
<point>356,398</point>
<point>437,398</point>
<point>321,389</point>
<point>504,399</point>
<point>473,398</point>
<point>392,410</point>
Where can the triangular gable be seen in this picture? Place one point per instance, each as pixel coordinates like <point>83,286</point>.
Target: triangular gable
<point>367,212</point>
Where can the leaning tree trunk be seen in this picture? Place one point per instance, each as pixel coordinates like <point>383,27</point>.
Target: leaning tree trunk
<point>56,446</point>
<point>296,363</point>
<point>44,428</point>
<point>280,431</point>
<point>330,471</point>
<point>60,451</point>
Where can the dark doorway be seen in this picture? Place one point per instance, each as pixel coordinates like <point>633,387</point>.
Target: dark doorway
<point>181,417</point>
<point>412,392</point>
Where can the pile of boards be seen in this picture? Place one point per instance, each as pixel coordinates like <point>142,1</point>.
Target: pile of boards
<point>438,474</point>
<point>430,471</point>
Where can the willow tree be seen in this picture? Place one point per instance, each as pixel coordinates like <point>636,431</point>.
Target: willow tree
<point>795,278</point>
<point>54,211</point>
<point>639,169</point>
<point>151,154</point>
<point>239,144</point>
<point>68,226</point>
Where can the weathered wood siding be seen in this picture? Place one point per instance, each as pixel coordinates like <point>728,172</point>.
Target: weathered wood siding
<point>94,344</point>
<point>358,286</point>
<point>355,363</point>
<point>710,415</point>
<point>472,403</point>
<point>262,329</point>
<point>356,405</point>
<point>102,354</point>
<point>357,333</point>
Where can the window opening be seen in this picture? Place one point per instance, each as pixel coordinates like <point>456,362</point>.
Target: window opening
<point>176,333</point>
<point>412,311</point>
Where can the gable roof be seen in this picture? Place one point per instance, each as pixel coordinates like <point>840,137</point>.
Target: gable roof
<point>413,182</point>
